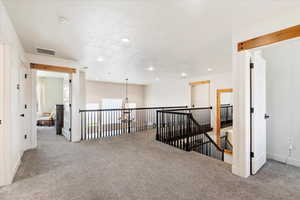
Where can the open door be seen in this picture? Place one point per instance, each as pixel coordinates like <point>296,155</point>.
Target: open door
<point>258,113</point>
<point>67,95</point>
<point>23,107</point>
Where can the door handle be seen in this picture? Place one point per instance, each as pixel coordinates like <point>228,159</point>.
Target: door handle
<point>22,115</point>
<point>267,116</point>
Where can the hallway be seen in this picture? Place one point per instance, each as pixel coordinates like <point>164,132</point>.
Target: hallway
<point>138,167</point>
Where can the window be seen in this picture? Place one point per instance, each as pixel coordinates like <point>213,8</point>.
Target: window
<point>92,106</point>
<point>111,103</point>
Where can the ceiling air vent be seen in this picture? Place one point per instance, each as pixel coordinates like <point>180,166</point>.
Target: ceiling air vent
<point>45,51</point>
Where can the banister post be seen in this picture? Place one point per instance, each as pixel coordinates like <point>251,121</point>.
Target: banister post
<point>129,119</point>
<point>157,124</point>
<point>188,132</point>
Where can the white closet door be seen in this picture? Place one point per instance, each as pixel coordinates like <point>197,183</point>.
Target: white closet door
<point>200,95</point>
<point>259,147</point>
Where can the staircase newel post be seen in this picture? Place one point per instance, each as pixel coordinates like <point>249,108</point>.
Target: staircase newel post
<point>188,132</point>
<point>129,120</point>
<point>157,126</point>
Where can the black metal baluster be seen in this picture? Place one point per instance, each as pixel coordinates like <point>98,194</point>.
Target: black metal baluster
<point>81,126</point>
<point>85,126</point>
<point>114,122</point>
<point>110,123</point>
<point>90,125</point>
<point>106,124</point>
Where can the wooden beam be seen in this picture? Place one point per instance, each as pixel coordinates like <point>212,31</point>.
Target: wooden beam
<point>225,90</point>
<point>52,68</point>
<point>199,82</point>
<point>285,34</point>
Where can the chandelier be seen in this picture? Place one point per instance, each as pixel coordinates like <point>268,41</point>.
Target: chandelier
<point>126,117</point>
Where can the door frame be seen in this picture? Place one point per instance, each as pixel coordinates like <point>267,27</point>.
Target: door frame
<point>241,61</point>
<point>6,174</point>
<point>2,136</point>
<point>40,67</point>
<point>218,112</point>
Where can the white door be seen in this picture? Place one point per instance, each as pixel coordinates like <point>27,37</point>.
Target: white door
<point>26,92</point>
<point>259,149</point>
<point>21,104</point>
<point>67,132</point>
<point>200,95</point>
<point>24,104</point>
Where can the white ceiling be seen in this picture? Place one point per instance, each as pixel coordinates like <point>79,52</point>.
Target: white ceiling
<point>173,36</point>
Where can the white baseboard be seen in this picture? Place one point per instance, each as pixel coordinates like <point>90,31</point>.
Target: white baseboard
<point>235,170</point>
<point>289,160</point>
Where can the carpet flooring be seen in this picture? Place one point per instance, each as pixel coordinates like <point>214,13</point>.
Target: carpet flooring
<point>135,166</point>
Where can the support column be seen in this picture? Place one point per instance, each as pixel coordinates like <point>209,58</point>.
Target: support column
<point>241,116</point>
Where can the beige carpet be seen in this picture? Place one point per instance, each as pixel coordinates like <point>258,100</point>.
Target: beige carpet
<point>137,167</point>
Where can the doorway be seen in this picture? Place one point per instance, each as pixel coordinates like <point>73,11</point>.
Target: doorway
<point>54,97</point>
<point>274,111</point>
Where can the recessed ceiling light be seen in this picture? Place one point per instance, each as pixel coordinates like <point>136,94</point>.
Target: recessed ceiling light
<point>183,74</point>
<point>63,20</point>
<point>125,40</point>
<point>209,69</point>
<point>151,68</point>
<point>100,59</point>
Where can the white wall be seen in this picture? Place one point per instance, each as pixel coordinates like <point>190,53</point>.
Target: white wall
<point>178,92</point>
<point>12,60</point>
<point>53,92</point>
<point>82,79</point>
<point>282,80</point>
<point>96,91</point>
<point>227,98</point>
<point>167,93</point>
<point>241,141</point>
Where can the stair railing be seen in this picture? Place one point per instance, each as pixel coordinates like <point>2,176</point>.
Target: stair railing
<point>187,129</point>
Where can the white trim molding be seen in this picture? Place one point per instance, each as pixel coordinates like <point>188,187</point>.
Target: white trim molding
<point>241,114</point>
<point>5,160</point>
<point>2,149</point>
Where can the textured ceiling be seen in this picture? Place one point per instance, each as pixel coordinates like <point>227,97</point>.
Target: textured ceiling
<point>173,36</point>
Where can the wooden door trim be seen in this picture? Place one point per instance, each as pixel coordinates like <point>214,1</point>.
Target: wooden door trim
<point>199,82</point>
<point>271,38</point>
<point>218,113</point>
<point>52,68</point>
